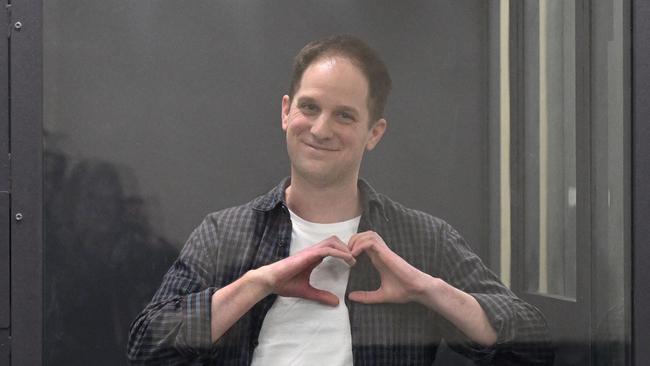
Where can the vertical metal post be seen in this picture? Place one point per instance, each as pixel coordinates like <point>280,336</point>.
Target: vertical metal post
<point>26,126</point>
<point>5,322</point>
<point>640,181</point>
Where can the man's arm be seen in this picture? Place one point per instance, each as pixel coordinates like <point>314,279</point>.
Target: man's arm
<point>489,321</point>
<point>523,337</point>
<point>402,283</point>
<point>288,277</point>
<point>171,329</point>
<point>188,314</point>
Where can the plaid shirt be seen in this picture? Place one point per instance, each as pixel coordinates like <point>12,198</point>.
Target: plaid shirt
<point>174,329</point>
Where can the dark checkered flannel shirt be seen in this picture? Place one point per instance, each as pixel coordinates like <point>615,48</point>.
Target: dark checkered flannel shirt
<point>174,329</point>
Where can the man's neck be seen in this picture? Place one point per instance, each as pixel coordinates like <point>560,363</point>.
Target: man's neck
<point>323,204</point>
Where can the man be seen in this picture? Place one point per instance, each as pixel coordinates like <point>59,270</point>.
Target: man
<point>323,270</point>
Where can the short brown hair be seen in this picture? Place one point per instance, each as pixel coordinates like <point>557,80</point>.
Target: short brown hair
<point>374,69</point>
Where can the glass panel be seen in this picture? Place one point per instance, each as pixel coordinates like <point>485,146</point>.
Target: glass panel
<point>610,148</point>
<point>583,295</point>
<point>157,113</point>
<point>551,157</point>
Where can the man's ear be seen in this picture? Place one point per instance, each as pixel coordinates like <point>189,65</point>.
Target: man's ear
<point>286,106</point>
<point>376,132</point>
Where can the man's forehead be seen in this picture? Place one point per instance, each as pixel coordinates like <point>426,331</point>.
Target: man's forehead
<point>334,75</point>
<point>333,60</point>
<point>330,61</point>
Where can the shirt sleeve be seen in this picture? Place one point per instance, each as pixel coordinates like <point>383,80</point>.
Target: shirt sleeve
<point>522,332</point>
<point>175,327</point>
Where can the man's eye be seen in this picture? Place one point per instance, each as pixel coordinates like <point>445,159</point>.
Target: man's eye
<point>309,107</point>
<point>346,116</point>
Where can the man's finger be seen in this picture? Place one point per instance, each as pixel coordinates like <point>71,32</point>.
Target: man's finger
<point>344,255</point>
<point>356,238</point>
<point>324,297</point>
<point>334,242</point>
<point>335,239</point>
<point>364,237</point>
<point>366,297</point>
<point>359,246</point>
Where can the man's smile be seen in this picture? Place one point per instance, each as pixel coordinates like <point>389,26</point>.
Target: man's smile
<point>319,147</point>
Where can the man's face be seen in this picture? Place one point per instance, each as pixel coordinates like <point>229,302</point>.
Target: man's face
<point>327,122</point>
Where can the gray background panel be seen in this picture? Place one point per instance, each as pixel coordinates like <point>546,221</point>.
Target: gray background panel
<point>186,100</point>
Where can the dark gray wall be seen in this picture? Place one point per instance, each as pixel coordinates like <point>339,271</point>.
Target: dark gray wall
<point>187,98</point>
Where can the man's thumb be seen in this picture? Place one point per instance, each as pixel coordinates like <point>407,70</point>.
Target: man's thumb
<point>365,297</point>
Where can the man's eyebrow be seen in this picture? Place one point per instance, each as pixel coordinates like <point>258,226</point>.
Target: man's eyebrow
<point>306,99</point>
<point>346,108</point>
<point>340,108</point>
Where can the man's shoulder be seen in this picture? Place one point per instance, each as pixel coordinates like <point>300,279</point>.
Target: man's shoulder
<point>400,214</point>
<point>245,217</point>
<point>240,213</point>
<point>230,227</point>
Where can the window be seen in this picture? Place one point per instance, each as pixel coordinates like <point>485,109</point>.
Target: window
<point>564,170</point>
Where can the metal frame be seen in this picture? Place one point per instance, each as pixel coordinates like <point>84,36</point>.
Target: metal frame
<point>628,169</point>
<point>493,161</point>
<point>5,287</point>
<point>524,107</point>
<point>640,80</point>
<point>637,73</point>
<point>26,136</point>
<point>517,108</point>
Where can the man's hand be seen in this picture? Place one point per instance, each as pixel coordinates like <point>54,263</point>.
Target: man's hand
<point>290,276</point>
<point>400,282</point>
<point>287,277</point>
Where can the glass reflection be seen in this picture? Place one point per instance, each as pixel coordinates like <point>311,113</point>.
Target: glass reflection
<point>551,155</point>
<point>103,261</point>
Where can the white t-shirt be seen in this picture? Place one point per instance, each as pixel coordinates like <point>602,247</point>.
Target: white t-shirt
<point>296,331</point>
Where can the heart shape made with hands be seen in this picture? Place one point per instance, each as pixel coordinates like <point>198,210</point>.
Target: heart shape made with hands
<point>400,282</point>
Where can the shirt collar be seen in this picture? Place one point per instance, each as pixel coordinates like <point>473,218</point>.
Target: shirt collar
<point>273,198</point>
<point>369,197</point>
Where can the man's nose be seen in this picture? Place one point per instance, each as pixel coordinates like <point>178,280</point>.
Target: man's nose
<point>321,127</point>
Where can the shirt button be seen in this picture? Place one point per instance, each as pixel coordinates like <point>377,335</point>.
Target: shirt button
<point>255,343</point>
